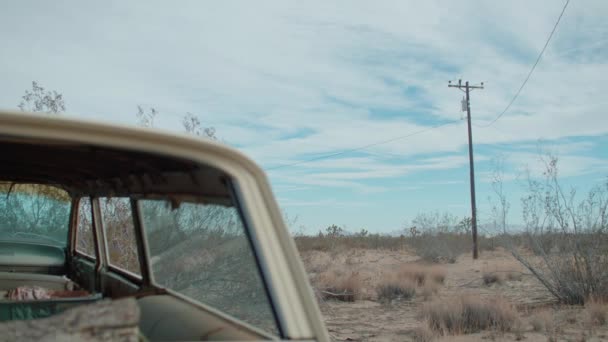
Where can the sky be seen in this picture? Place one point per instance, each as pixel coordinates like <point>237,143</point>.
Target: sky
<point>303,87</point>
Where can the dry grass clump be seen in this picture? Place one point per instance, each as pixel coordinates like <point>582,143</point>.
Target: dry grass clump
<point>514,276</point>
<point>490,278</point>
<point>542,321</point>
<point>499,276</point>
<point>393,288</point>
<point>340,286</point>
<point>465,314</point>
<point>437,274</point>
<point>499,271</point>
<point>596,312</point>
<point>428,290</point>
<point>409,279</point>
<point>422,274</point>
<point>444,247</point>
<point>423,334</point>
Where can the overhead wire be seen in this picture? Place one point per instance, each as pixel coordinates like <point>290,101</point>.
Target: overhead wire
<point>331,155</point>
<point>335,154</point>
<point>531,70</point>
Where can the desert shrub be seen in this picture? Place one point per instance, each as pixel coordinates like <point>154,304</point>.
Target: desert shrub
<point>596,312</point>
<point>441,237</point>
<point>429,289</point>
<point>514,276</point>
<point>362,240</point>
<point>501,271</point>
<point>393,288</point>
<point>437,275</point>
<point>442,247</point>
<point>490,278</point>
<point>445,247</point>
<point>340,286</point>
<point>568,236</point>
<point>423,334</point>
<point>465,314</point>
<point>432,246</point>
<point>422,274</point>
<point>413,272</point>
<point>542,321</point>
<point>571,318</point>
<point>409,279</point>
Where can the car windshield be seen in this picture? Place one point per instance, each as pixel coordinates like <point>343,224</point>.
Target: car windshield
<point>34,213</point>
<point>202,251</point>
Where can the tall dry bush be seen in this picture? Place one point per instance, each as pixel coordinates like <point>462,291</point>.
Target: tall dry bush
<point>596,312</point>
<point>441,237</point>
<point>423,334</point>
<point>392,287</point>
<point>568,237</point>
<point>467,314</point>
<point>422,274</point>
<point>543,322</point>
<point>445,247</point>
<point>345,287</point>
<point>409,279</point>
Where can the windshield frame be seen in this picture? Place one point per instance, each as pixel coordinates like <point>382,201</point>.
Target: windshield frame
<point>236,203</point>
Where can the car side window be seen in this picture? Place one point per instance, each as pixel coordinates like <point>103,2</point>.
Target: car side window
<point>202,251</point>
<point>117,219</point>
<point>85,240</point>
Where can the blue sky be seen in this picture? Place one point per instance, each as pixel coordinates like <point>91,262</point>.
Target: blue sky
<point>287,81</point>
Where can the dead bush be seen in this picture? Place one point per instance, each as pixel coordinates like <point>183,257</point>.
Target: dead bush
<point>571,318</point>
<point>542,321</point>
<point>428,290</point>
<point>514,276</point>
<point>413,272</point>
<point>423,334</point>
<point>422,274</point>
<point>437,274</point>
<point>490,278</point>
<point>394,288</point>
<point>519,330</point>
<point>440,247</point>
<point>596,312</point>
<point>445,247</point>
<point>569,236</point>
<point>465,314</point>
<point>340,286</point>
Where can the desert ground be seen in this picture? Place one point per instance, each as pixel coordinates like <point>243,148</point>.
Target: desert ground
<point>529,310</point>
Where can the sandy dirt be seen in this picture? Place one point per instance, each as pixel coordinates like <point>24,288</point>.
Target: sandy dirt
<point>367,319</point>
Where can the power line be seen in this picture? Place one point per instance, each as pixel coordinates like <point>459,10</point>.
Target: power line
<point>531,70</point>
<point>335,154</point>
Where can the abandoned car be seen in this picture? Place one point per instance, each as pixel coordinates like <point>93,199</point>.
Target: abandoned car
<point>182,234</point>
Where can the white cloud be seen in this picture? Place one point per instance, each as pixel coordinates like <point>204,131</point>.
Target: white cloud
<point>517,165</point>
<point>289,81</point>
<point>321,203</point>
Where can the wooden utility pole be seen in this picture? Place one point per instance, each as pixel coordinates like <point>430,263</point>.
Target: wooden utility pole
<point>466,106</point>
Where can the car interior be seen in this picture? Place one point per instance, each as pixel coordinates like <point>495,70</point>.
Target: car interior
<point>81,224</point>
